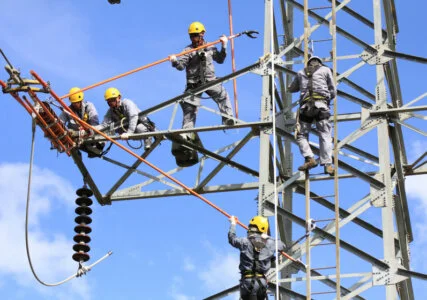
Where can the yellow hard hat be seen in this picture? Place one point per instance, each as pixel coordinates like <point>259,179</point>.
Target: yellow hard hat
<point>111,93</point>
<point>260,222</point>
<point>77,97</point>
<point>196,27</point>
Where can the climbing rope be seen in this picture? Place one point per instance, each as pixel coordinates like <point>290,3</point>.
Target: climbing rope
<point>233,61</point>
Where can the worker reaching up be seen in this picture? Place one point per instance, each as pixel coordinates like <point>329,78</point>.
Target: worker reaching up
<point>317,89</point>
<point>200,69</point>
<point>86,111</point>
<point>257,251</point>
<point>121,110</point>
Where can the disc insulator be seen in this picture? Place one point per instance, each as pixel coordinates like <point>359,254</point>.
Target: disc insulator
<point>80,256</point>
<point>81,248</point>
<point>83,220</point>
<point>84,192</point>
<point>78,238</point>
<point>82,229</point>
<point>83,210</point>
<point>84,201</point>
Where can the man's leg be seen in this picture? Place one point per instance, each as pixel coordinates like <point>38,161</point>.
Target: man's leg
<point>220,96</point>
<point>141,128</point>
<point>324,129</point>
<point>189,112</point>
<point>247,289</point>
<point>304,146</point>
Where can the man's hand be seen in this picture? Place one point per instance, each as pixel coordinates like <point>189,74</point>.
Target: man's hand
<point>82,133</point>
<point>124,136</point>
<point>233,220</point>
<point>73,133</point>
<point>224,41</point>
<point>173,59</point>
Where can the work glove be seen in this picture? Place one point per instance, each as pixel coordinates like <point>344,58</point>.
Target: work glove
<point>233,220</point>
<point>124,136</point>
<point>82,133</point>
<point>73,133</point>
<point>224,41</point>
<point>173,59</point>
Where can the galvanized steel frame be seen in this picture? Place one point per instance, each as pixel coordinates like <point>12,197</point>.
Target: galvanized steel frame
<point>387,184</point>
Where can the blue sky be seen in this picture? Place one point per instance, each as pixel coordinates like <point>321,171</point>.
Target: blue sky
<point>164,248</point>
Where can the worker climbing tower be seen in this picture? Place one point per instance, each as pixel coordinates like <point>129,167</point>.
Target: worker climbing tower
<point>309,211</point>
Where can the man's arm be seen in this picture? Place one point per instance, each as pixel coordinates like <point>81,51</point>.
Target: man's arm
<point>64,117</point>
<point>132,114</point>
<point>105,122</point>
<point>331,85</point>
<point>234,241</point>
<point>219,56</point>
<point>93,118</point>
<point>182,62</point>
<point>294,86</point>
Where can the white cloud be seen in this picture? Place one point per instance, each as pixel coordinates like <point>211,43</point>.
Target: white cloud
<point>50,251</point>
<point>175,293</point>
<point>416,190</point>
<point>188,264</point>
<point>222,271</point>
<point>418,148</point>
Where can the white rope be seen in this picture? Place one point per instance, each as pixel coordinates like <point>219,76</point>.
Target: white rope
<point>82,270</point>
<point>27,246</point>
<point>276,200</point>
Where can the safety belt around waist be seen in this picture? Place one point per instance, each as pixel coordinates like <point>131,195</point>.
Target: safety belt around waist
<point>250,274</point>
<point>313,97</point>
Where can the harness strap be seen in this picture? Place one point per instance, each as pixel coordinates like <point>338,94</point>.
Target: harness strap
<point>309,71</point>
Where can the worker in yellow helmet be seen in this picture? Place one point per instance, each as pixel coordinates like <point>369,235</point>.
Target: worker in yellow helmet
<point>86,111</point>
<point>126,112</point>
<point>200,69</point>
<point>257,251</point>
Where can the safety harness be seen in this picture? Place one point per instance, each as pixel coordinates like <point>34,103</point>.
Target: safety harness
<point>119,113</point>
<point>312,96</point>
<point>256,273</point>
<point>82,114</point>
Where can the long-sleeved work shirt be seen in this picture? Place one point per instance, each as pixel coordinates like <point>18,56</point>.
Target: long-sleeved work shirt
<point>323,83</point>
<point>247,250</point>
<point>199,65</point>
<point>87,113</point>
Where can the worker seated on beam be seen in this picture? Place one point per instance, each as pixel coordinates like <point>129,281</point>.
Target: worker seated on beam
<point>200,69</point>
<point>257,251</point>
<point>317,88</point>
<point>86,111</point>
<point>126,110</point>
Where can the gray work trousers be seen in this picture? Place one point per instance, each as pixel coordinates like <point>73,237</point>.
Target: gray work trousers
<point>253,288</point>
<point>324,129</point>
<point>218,94</point>
<point>140,128</point>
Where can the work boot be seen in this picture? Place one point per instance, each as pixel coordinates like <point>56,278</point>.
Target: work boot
<point>310,163</point>
<point>147,143</point>
<point>329,169</point>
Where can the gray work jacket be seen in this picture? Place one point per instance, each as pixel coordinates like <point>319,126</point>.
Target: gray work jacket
<point>87,113</point>
<point>323,83</point>
<point>128,110</point>
<point>247,252</point>
<point>199,65</point>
